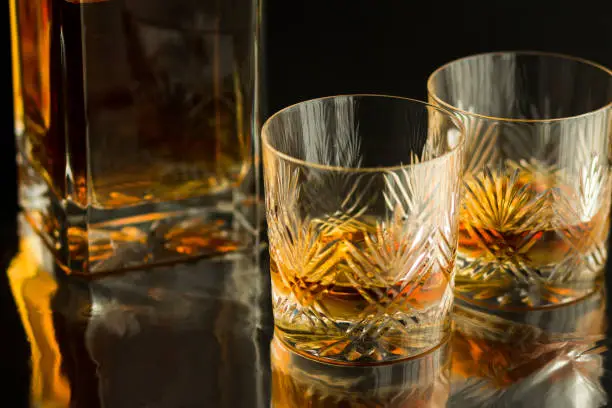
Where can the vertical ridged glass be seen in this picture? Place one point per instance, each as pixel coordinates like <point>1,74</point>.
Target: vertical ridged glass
<point>535,213</point>
<point>134,122</point>
<point>362,199</point>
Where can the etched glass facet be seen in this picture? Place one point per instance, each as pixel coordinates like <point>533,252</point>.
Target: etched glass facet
<point>535,211</point>
<point>362,205</point>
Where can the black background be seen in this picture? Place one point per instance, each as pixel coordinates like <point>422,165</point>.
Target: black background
<point>324,47</point>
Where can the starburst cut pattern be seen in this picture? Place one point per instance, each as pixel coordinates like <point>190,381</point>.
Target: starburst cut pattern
<point>535,216</point>
<point>352,286</point>
<point>526,236</point>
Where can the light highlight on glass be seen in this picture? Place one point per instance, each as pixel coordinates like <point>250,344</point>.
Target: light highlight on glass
<point>536,203</point>
<point>362,195</point>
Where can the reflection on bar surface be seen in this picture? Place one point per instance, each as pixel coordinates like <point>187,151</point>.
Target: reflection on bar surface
<point>544,358</point>
<point>174,336</point>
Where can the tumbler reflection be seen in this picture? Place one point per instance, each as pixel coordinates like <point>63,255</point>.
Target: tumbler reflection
<point>545,358</point>
<point>300,382</point>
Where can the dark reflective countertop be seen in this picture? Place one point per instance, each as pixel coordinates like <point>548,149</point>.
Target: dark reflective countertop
<point>200,335</point>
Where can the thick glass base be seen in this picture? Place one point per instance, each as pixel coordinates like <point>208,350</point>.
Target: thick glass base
<point>89,240</point>
<point>343,333</point>
<point>386,344</point>
<point>302,382</point>
<point>515,285</point>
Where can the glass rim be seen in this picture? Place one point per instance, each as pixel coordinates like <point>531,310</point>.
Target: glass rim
<point>454,119</point>
<point>566,57</point>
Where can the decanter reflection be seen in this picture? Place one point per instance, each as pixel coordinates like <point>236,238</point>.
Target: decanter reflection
<point>544,358</point>
<point>180,336</point>
<point>301,382</point>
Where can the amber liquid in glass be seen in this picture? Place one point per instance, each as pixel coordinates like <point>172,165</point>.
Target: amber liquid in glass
<point>526,228</point>
<point>189,141</point>
<point>338,307</point>
<point>126,146</point>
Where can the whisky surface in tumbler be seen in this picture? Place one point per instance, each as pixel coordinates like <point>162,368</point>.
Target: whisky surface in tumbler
<point>134,125</point>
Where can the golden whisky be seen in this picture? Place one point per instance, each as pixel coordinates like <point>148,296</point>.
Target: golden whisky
<point>526,228</point>
<point>149,156</point>
<point>344,303</point>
